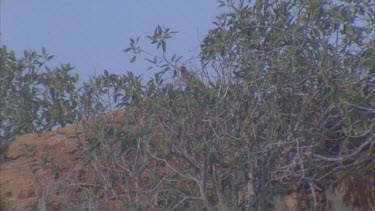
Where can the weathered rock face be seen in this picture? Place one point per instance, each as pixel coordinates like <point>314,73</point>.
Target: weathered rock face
<point>41,170</point>
<point>34,168</point>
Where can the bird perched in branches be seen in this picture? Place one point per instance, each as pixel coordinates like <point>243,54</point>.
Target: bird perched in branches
<point>190,80</point>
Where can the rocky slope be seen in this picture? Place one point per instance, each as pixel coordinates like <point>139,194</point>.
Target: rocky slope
<point>34,167</point>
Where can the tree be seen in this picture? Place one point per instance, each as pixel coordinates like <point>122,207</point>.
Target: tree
<point>292,103</point>
<point>308,65</point>
<point>33,97</point>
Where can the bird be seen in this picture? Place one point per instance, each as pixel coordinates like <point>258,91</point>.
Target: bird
<point>190,80</point>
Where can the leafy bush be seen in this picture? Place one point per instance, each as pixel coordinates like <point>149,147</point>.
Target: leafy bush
<point>289,101</point>
<point>34,98</point>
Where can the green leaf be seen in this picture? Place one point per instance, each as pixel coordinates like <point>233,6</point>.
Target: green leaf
<point>133,59</point>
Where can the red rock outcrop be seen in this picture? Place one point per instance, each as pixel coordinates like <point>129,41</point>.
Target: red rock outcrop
<point>30,175</point>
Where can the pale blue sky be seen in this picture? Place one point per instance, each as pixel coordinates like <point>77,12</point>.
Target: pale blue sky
<point>91,34</point>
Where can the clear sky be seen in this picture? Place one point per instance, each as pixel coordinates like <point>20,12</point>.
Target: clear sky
<point>90,34</point>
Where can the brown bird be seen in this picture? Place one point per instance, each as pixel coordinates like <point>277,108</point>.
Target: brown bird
<point>190,80</point>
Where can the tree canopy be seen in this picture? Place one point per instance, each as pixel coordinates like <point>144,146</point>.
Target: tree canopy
<point>289,100</point>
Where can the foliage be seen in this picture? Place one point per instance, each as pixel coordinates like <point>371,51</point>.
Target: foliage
<point>34,98</point>
<point>289,100</point>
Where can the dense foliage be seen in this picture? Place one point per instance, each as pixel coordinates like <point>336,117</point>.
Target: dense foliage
<point>33,97</point>
<point>288,101</point>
